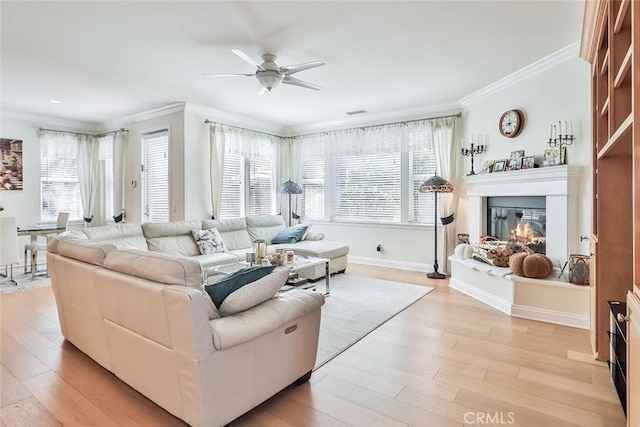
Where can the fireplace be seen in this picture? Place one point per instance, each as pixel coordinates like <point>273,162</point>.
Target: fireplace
<point>557,185</point>
<point>522,221</point>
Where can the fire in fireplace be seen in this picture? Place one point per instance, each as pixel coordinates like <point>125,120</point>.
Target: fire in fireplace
<point>519,220</point>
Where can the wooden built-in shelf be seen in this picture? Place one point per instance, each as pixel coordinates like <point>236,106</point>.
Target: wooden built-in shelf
<point>605,64</point>
<point>605,107</point>
<point>622,13</point>
<point>612,147</point>
<point>625,67</point>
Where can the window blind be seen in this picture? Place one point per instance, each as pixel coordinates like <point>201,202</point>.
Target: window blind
<point>233,194</point>
<point>366,188</point>
<point>313,167</point>
<point>156,176</point>
<point>59,185</point>
<point>422,165</point>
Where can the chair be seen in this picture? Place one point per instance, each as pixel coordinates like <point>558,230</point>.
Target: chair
<point>35,246</point>
<point>9,245</point>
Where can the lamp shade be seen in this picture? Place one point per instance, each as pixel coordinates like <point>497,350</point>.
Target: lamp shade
<point>290,187</point>
<point>436,184</point>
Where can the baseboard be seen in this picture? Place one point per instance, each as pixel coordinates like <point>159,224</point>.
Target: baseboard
<point>482,296</point>
<point>402,265</point>
<point>551,316</point>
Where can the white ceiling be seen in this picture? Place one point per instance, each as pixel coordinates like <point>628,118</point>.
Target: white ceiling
<point>105,60</point>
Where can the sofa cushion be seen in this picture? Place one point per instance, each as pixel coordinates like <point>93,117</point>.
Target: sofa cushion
<point>162,268</point>
<point>291,234</point>
<point>233,232</point>
<point>173,238</point>
<point>254,293</point>
<point>320,248</point>
<point>229,283</point>
<point>209,241</point>
<point>84,250</point>
<point>217,259</point>
<point>120,235</point>
<point>265,227</point>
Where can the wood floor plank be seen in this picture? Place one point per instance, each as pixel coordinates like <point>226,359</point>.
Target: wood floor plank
<point>64,402</point>
<point>28,412</point>
<point>11,390</point>
<point>18,360</point>
<point>590,390</point>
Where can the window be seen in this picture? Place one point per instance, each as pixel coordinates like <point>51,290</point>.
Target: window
<point>59,184</point>
<point>155,176</point>
<point>247,185</point>
<point>371,175</point>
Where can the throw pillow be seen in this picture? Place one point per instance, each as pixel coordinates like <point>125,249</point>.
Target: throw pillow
<point>229,283</point>
<point>291,234</point>
<point>209,241</point>
<point>254,293</point>
<point>314,236</point>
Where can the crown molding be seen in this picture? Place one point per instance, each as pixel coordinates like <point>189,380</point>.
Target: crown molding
<point>40,120</point>
<point>372,119</point>
<point>550,61</point>
<point>232,119</point>
<point>176,107</point>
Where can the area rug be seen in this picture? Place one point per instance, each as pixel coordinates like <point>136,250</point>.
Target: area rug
<point>358,305</point>
<point>25,282</point>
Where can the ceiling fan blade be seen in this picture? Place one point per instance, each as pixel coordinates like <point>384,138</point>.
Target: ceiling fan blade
<point>229,75</point>
<point>262,91</point>
<point>292,69</point>
<point>247,58</point>
<point>297,82</point>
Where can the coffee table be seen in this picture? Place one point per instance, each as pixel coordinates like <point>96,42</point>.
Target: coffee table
<point>300,262</point>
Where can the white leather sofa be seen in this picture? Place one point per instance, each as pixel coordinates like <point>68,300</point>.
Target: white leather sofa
<point>175,238</point>
<point>145,317</point>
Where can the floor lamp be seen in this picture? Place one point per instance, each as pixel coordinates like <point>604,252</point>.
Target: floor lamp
<point>290,187</point>
<point>436,185</point>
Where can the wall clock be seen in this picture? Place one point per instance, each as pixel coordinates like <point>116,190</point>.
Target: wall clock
<point>511,123</point>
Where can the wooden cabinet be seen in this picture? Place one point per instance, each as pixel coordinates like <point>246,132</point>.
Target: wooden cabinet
<point>611,43</point>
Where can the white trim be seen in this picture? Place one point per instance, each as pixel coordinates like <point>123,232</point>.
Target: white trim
<point>232,119</point>
<point>44,121</point>
<point>176,107</point>
<point>530,70</point>
<point>371,119</point>
<point>551,316</point>
<point>482,296</point>
<point>402,265</point>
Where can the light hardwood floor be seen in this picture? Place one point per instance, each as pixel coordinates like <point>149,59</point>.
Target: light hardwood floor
<point>448,360</point>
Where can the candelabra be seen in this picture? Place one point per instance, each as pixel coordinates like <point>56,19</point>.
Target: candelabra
<point>472,151</point>
<point>558,140</point>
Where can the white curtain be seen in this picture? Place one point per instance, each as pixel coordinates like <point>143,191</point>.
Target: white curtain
<point>445,149</point>
<point>216,166</point>
<point>119,150</point>
<point>88,173</point>
<point>285,169</point>
<point>111,157</point>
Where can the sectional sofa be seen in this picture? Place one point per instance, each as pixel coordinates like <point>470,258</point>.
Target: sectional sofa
<point>128,298</point>
<point>175,238</point>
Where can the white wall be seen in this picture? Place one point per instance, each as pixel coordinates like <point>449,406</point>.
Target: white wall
<point>559,93</point>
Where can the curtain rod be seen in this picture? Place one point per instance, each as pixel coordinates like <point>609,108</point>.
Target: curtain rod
<point>209,122</point>
<point>100,135</point>
<point>405,122</point>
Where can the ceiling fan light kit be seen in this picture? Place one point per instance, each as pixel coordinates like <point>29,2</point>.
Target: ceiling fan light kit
<point>270,75</point>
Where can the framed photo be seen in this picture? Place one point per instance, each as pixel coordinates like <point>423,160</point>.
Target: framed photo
<point>488,166</point>
<point>499,165</point>
<point>528,162</point>
<point>552,157</point>
<point>513,164</point>
<point>10,164</point>
<point>516,155</point>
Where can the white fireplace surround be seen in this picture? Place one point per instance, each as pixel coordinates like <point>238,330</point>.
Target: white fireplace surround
<point>559,184</point>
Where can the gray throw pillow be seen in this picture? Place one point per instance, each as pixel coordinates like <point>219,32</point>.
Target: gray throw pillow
<point>229,283</point>
<point>254,293</point>
<point>291,234</point>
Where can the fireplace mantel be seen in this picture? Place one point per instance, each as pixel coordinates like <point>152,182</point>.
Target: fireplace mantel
<point>559,184</point>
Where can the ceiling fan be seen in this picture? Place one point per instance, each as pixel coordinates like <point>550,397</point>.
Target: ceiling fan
<point>270,75</point>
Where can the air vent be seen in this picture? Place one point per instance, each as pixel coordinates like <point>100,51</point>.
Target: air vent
<point>353,113</point>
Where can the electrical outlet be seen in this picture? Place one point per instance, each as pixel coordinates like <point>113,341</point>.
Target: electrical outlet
<point>379,247</point>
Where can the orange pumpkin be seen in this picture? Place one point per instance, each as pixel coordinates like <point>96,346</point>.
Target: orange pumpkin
<point>535,266</point>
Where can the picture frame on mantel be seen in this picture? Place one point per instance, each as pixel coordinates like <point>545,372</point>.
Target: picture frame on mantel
<point>10,164</point>
<point>487,167</point>
<point>499,165</point>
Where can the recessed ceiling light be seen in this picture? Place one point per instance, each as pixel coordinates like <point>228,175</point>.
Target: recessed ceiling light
<point>352,113</point>
<point>55,101</point>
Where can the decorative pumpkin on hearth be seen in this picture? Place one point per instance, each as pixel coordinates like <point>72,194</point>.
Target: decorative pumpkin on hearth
<point>535,266</point>
<point>463,250</point>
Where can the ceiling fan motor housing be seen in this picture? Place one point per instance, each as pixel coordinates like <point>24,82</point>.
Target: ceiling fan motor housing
<point>271,76</point>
